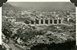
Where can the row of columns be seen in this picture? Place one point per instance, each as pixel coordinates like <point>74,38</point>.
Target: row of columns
<point>47,21</point>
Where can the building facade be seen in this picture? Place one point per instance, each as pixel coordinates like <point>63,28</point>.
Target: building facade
<point>46,21</point>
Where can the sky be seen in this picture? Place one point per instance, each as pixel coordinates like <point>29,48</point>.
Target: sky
<point>44,5</point>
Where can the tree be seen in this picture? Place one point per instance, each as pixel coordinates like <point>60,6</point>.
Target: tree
<point>6,28</point>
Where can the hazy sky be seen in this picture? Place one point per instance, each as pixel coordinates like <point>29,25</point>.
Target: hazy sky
<point>44,5</point>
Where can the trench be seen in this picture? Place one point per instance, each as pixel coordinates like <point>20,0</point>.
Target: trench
<point>61,46</point>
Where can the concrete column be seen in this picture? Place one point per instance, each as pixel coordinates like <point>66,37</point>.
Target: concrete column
<point>34,21</point>
<point>57,21</point>
<point>43,21</point>
<point>39,21</point>
<point>61,21</point>
<point>52,21</point>
<point>49,21</point>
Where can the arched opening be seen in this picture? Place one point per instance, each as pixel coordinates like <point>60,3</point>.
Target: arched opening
<point>41,21</point>
<point>27,22</point>
<point>50,21</point>
<point>32,22</point>
<point>46,21</point>
<point>37,21</point>
<point>59,21</point>
<point>55,21</point>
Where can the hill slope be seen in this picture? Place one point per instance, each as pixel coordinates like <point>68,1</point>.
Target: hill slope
<point>10,10</point>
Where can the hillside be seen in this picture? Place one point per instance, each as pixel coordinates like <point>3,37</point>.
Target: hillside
<point>44,6</point>
<point>20,36</point>
<point>9,10</point>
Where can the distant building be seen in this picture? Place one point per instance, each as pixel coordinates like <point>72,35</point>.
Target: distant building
<point>46,21</point>
<point>45,18</point>
<point>33,20</point>
<point>41,21</point>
